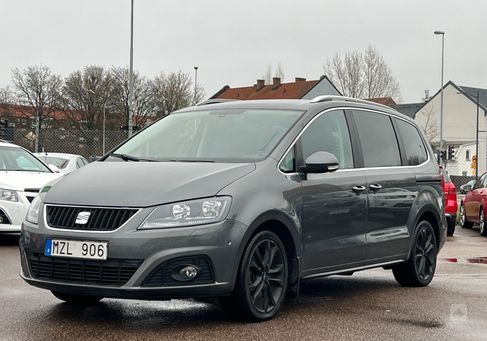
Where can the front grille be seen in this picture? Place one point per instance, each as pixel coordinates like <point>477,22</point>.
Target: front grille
<point>100,219</point>
<point>161,276</point>
<point>3,218</point>
<point>32,190</point>
<point>113,272</point>
<point>30,199</point>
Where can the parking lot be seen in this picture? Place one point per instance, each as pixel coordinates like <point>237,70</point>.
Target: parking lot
<point>367,305</point>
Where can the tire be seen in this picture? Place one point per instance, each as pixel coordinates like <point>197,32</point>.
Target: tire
<point>261,282</point>
<point>451,227</point>
<point>463,219</point>
<point>77,299</point>
<point>419,269</point>
<point>482,227</point>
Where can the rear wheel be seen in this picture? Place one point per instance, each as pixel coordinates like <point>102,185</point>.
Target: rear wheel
<point>463,218</point>
<point>262,280</point>
<point>77,299</point>
<point>419,269</point>
<point>482,227</point>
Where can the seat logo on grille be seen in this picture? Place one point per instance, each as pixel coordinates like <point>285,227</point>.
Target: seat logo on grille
<point>82,218</point>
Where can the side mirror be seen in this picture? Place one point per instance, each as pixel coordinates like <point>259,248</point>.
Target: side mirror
<point>54,168</point>
<point>320,162</point>
<point>467,187</point>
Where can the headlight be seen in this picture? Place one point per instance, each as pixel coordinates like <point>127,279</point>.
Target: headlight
<point>8,195</point>
<point>189,213</point>
<point>35,206</point>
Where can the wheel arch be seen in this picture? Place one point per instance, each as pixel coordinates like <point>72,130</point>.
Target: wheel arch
<point>286,229</point>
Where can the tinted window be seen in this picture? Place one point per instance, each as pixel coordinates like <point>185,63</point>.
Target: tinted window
<point>377,139</point>
<point>329,133</point>
<point>413,144</point>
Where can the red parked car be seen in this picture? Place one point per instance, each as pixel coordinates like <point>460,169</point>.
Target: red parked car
<point>473,207</point>
<point>451,205</point>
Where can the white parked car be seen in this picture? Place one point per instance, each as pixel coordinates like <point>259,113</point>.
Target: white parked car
<point>22,176</point>
<point>66,163</point>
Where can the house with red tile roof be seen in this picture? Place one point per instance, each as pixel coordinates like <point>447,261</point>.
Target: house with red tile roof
<point>299,89</point>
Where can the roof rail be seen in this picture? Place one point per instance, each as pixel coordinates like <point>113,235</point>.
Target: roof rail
<point>4,141</point>
<point>214,101</point>
<point>326,98</point>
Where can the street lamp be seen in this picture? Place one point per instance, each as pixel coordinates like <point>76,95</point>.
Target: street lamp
<point>441,91</point>
<point>131,67</point>
<point>195,83</point>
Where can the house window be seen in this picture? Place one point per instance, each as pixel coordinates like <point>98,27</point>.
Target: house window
<point>467,155</point>
<point>464,173</point>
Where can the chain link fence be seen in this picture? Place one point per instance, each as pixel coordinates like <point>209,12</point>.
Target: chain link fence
<point>88,143</point>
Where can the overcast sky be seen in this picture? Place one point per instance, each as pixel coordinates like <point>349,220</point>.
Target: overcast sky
<point>232,42</point>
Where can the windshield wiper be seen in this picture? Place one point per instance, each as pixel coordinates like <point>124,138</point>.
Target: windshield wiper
<point>126,157</point>
<point>183,160</point>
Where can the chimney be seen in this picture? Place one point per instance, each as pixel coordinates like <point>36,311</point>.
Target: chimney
<point>426,95</point>
<point>276,82</point>
<point>299,79</point>
<point>260,84</point>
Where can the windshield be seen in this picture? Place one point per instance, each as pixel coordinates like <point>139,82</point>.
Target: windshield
<point>56,161</point>
<point>18,159</point>
<point>235,135</point>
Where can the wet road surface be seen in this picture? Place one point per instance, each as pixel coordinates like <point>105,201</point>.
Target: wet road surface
<point>367,305</point>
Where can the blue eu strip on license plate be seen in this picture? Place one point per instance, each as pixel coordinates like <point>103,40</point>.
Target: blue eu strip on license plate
<point>48,247</point>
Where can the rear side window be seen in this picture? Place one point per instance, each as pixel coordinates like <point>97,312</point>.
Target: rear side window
<point>377,139</point>
<point>329,133</point>
<point>413,144</point>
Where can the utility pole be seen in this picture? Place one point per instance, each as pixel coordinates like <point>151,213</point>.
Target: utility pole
<point>195,84</point>
<point>440,161</point>
<point>131,69</point>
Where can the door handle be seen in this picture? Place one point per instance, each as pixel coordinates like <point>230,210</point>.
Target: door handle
<point>358,189</point>
<point>375,187</point>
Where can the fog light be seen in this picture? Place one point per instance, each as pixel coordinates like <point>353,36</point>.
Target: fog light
<point>185,273</point>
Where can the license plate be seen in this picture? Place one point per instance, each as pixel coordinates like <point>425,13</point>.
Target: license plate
<point>76,249</point>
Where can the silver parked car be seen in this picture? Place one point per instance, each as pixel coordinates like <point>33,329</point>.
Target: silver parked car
<point>242,200</point>
<point>66,163</point>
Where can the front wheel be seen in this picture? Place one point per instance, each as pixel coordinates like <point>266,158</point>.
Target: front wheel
<point>262,279</point>
<point>482,227</point>
<point>419,269</point>
<point>77,299</point>
<point>463,218</point>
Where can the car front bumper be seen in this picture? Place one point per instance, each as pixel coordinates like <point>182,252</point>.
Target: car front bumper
<point>14,212</point>
<point>219,243</point>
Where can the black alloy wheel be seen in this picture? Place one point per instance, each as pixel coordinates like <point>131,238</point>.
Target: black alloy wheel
<point>425,253</point>
<point>265,275</point>
<point>262,280</point>
<point>419,269</point>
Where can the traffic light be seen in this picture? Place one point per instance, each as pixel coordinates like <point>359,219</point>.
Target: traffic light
<point>451,152</point>
<point>443,154</point>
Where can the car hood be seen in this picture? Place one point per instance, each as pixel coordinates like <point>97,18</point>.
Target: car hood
<point>18,180</point>
<point>142,184</point>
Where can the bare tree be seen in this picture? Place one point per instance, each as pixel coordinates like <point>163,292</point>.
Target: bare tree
<point>38,88</point>
<point>428,123</point>
<point>278,72</point>
<point>172,91</point>
<point>85,95</point>
<point>362,75</point>
<point>143,104</point>
<point>378,76</point>
<point>6,95</point>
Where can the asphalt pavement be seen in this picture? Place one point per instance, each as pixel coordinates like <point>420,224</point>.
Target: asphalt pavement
<point>366,306</point>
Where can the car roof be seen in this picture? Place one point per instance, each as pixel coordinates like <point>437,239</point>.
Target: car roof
<point>8,144</point>
<point>316,104</point>
<point>58,155</point>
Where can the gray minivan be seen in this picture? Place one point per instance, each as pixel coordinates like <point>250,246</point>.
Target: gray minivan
<point>242,200</point>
